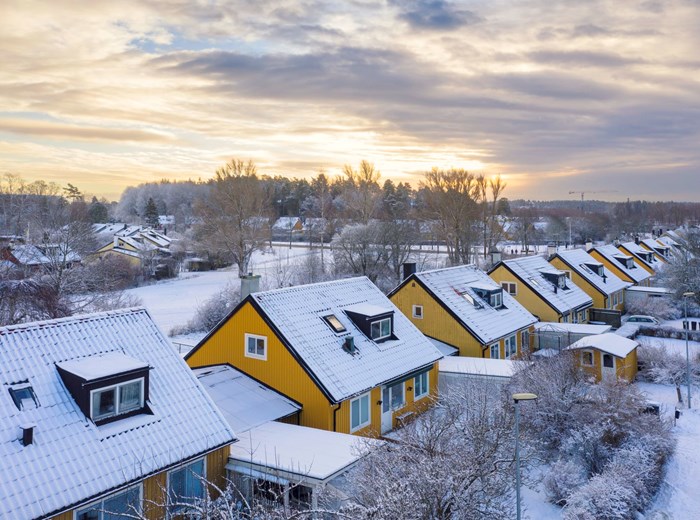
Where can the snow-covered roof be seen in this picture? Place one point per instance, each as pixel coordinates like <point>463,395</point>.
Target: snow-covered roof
<point>571,328</point>
<point>29,255</point>
<point>97,367</point>
<point>667,240</point>
<point>642,254</point>
<point>480,366</point>
<point>444,348</point>
<point>298,450</point>
<point>579,260</point>
<point>297,313</point>
<point>486,323</point>
<point>650,290</point>
<point>244,402</point>
<point>286,223</point>
<point>615,257</point>
<point>530,270</point>
<point>71,459</point>
<point>609,343</point>
<point>655,245</point>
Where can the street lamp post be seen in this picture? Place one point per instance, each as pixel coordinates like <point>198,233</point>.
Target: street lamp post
<point>516,399</point>
<point>686,326</point>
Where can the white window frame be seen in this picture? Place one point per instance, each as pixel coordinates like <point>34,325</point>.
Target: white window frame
<point>496,300</point>
<point>361,425</point>
<point>583,358</point>
<point>524,340</point>
<point>101,501</point>
<point>418,312</point>
<point>117,400</point>
<point>426,390</point>
<point>169,512</point>
<point>380,329</point>
<point>256,337</point>
<point>497,346</point>
<point>513,342</point>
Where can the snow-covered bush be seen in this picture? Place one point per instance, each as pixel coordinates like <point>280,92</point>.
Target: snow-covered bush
<point>662,308</point>
<point>563,478</point>
<point>212,311</point>
<point>603,497</point>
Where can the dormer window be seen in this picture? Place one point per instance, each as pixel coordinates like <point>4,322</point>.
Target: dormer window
<point>561,282</point>
<point>493,295</point>
<point>377,323</point>
<point>107,387</point>
<point>496,299</point>
<point>596,268</point>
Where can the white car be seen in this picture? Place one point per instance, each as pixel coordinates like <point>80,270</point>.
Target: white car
<point>640,318</point>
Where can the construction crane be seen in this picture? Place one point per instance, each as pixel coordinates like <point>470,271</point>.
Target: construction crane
<point>584,192</point>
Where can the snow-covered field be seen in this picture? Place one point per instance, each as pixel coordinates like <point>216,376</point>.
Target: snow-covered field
<point>670,345</point>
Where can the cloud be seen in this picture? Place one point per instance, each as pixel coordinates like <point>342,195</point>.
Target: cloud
<point>63,131</point>
<point>435,14</point>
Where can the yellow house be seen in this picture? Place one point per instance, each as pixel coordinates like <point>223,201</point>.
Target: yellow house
<point>661,251</point>
<point>598,282</point>
<point>99,413</point>
<point>463,308</point>
<point>607,357</point>
<point>340,349</point>
<point>543,290</point>
<point>621,264</point>
<point>642,256</point>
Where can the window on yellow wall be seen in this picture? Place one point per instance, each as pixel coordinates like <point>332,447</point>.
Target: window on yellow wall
<point>418,312</point>
<point>511,346</point>
<point>360,415</point>
<point>587,358</point>
<point>420,386</point>
<point>255,346</point>
<point>494,351</point>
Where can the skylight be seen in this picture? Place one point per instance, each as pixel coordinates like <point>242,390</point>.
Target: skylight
<point>334,323</point>
<point>24,397</point>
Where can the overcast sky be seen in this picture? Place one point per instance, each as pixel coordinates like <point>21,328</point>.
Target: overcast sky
<point>554,95</point>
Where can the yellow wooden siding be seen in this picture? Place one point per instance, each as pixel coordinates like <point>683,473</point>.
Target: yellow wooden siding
<point>526,296</point>
<point>625,368</point>
<point>154,496</point>
<point>216,469</point>
<point>280,370</point>
<point>437,322</point>
<point>412,406</point>
<point>599,299</point>
<point>68,515</point>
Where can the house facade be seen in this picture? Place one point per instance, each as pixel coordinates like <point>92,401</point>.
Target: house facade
<point>340,349</point>
<point>591,275</point>
<point>465,309</point>
<point>543,290</point>
<point>100,414</point>
<point>621,264</point>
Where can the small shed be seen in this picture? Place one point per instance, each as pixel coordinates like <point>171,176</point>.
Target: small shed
<point>607,356</point>
<point>558,336</point>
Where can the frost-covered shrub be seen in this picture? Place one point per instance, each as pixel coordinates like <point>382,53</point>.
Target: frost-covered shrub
<point>211,312</point>
<point>563,478</point>
<point>659,366</point>
<point>603,497</point>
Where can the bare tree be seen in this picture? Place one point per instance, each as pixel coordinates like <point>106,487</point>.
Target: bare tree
<point>451,198</point>
<point>361,192</point>
<point>234,216</point>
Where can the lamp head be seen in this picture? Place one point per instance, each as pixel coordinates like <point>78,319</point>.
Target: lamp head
<point>524,397</point>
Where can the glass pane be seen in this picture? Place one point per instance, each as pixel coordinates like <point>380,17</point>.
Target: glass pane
<point>386,399</point>
<point>89,514</point>
<point>103,404</point>
<point>194,480</point>
<point>386,327</point>
<point>177,485</point>
<point>607,361</point>
<point>130,397</point>
<point>397,396</point>
<point>375,330</point>
<point>355,413</point>
<point>251,345</point>
<point>364,409</point>
<point>261,347</point>
<point>124,505</point>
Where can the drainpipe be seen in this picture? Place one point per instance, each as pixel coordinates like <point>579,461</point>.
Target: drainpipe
<point>335,416</point>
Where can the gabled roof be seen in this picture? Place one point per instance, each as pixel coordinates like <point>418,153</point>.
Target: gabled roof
<point>609,342</point>
<point>577,260</point>
<point>487,324</point>
<point>29,255</point>
<point>530,270</point>
<point>639,252</point>
<point>611,254</point>
<point>655,245</point>
<point>71,460</point>
<point>297,315</point>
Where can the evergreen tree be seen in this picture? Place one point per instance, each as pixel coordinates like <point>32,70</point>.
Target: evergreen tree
<point>151,213</point>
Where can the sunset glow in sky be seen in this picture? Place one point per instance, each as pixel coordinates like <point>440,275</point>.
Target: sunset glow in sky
<point>556,96</point>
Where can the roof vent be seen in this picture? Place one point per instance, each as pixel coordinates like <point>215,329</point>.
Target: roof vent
<point>349,345</point>
<point>27,433</point>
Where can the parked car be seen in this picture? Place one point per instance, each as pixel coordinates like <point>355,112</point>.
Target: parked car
<point>640,318</point>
